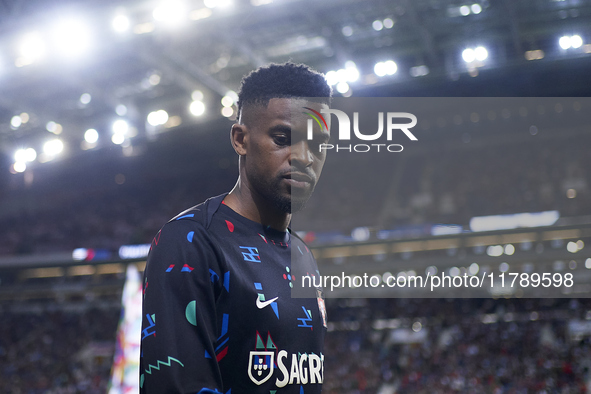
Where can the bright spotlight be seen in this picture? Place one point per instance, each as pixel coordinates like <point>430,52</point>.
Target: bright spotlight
<point>227,112</point>
<point>121,110</point>
<point>332,78</point>
<point>465,10</point>
<point>468,55</point>
<point>197,95</point>
<point>352,73</point>
<point>480,53</point>
<point>118,139</point>
<point>391,67</point>
<point>227,101</point>
<point>30,154</point>
<point>380,69</point>
<point>476,8</point>
<point>157,118</point>
<point>564,42</point>
<point>19,166</point>
<point>72,37</point>
<point>576,41</point>
<point>197,108</point>
<point>16,121</point>
<point>53,147</point>
<point>377,25</point>
<point>20,155</point>
<point>85,98</point>
<point>32,47</point>
<point>388,23</point>
<point>120,23</point>
<point>170,13</point>
<point>233,95</point>
<point>120,126</point>
<point>91,136</point>
<point>342,87</point>
<point>51,126</point>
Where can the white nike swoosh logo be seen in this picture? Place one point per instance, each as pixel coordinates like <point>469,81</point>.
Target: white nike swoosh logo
<point>261,304</point>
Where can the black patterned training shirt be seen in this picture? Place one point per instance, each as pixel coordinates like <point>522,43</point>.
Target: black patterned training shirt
<point>218,316</point>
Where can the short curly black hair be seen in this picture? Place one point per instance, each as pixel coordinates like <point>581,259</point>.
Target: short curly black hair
<point>282,81</point>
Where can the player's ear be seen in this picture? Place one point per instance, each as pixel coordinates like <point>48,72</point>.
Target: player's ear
<point>239,138</point>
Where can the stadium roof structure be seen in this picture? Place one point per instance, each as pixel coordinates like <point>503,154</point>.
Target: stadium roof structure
<point>72,66</point>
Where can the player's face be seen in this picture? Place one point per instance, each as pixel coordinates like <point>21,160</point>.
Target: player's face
<point>282,165</point>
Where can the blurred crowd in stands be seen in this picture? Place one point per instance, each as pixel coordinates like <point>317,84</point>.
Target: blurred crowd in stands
<point>57,352</point>
<point>422,186</point>
<point>470,346</point>
<point>377,346</point>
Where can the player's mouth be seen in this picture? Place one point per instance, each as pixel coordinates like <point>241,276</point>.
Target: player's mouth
<point>298,180</point>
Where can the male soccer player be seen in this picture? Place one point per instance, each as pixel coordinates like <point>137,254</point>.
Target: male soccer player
<point>218,316</point>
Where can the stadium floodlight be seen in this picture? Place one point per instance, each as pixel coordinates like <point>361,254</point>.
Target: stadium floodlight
<point>53,147</point>
<point>227,101</point>
<point>227,111</point>
<point>197,108</point>
<point>388,67</point>
<point>391,67</point>
<point>170,13</point>
<point>468,55</point>
<point>197,95</point>
<point>377,25</point>
<point>85,98</point>
<point>91,136</point>
<point>120,127</point>
<point>476,8</point>
<point>232,95</point>
<point>576,41</point>
<point>20,155</point>
<point>19,166</point>
<point>72,37</point>
<point>351,71</point>
<point>481,53</point>
<point>564,42</point>
<point>388,23</point>
<point>118,139</point>
<point>419,71</point>
<point>380,69</point>
<point>30,154</point>
<point>157,118</point>
<point>16,121</point>
<point>473,269</point>
<point>121,110</point>
<point>120,23</point>
<point>509,249</point>
<point>32,47</point>
<point>465,10</point>
<point>347,31</point>
<point>342,87</point>
<point>331,78</point>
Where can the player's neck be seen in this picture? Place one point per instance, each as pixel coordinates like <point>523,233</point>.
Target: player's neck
<point>252,206</point>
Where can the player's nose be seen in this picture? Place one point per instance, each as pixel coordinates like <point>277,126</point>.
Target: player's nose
<point>301,153</point>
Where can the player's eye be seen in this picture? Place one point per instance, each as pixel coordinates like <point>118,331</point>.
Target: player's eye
<point>281,139</point>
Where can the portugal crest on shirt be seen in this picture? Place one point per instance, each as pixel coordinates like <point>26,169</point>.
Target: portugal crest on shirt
<point>260,366</point>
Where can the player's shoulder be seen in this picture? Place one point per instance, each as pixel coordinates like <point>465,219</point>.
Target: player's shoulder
<point>192,223</point>
<point>200,214</point>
